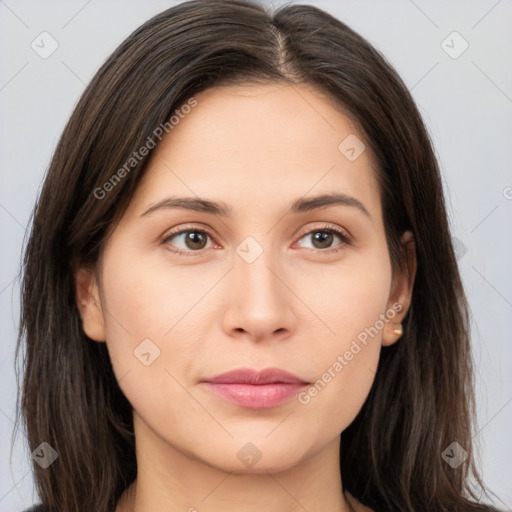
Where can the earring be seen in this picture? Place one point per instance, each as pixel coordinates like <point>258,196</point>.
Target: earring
<point>399,330</point>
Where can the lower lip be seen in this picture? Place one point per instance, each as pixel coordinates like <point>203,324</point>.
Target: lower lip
<point>261,396</point>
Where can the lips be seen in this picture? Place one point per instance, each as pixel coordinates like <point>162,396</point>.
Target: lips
<point>256,389</point>
<point>250,376</point>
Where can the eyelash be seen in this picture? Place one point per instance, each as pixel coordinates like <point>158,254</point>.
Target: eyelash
<point>346,240</point>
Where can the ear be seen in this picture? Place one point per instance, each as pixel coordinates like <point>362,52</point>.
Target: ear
<point>401,290</point>
<point>89,303</point>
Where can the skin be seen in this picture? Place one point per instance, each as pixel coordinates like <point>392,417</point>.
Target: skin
<point>257,148</point>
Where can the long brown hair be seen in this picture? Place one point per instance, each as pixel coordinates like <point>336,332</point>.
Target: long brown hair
<point>422,398</point>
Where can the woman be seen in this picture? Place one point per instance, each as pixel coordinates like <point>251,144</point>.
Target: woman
<point>312,351</point>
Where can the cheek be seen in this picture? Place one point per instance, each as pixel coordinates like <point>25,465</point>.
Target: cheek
<point>151,313</point>
<point>349,298</point>
<point>144,300</point>
<point>353,314</point>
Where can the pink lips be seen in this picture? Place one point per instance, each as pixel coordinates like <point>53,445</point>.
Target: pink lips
<point>256,389</point>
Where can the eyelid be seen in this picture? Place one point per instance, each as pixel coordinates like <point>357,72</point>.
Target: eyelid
<point>187,227</point>
<point>326,226</point>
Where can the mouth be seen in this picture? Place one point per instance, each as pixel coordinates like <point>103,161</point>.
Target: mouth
<point>254,389</point>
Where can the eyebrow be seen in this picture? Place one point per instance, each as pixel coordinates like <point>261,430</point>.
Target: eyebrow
<point>221,209</point>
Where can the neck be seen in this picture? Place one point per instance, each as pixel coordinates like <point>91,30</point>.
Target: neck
<point>169,480</point>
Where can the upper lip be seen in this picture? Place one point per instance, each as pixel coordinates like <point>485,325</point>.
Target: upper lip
<point>251,376</point>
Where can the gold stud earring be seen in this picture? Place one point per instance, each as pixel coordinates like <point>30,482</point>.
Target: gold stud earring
<point>399,330</point>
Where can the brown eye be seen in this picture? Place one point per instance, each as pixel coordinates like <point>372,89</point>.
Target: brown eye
<point>322,238</point>
<point>191,240</point>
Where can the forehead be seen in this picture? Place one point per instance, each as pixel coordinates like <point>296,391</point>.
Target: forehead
<point>251,144</point>
<point>277,117</point>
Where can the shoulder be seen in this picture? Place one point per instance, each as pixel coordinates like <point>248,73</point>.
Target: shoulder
<point>357,505</point>
<point>35,508</point>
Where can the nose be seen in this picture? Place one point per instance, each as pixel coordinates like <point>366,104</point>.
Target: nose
<point>260,306</point>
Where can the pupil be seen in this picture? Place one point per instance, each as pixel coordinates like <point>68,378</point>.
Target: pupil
<point>322,236</point>
<point>195,238</point>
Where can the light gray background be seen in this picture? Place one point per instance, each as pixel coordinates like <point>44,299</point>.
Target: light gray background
<point>466,103</point>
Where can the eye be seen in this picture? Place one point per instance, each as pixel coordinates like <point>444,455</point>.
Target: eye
<point>323,236</point>
<point>194,240</point>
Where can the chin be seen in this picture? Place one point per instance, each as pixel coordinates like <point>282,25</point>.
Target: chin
<point>253,458</point>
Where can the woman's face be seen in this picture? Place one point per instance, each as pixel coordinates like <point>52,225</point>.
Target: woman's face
<point>267,283</point>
